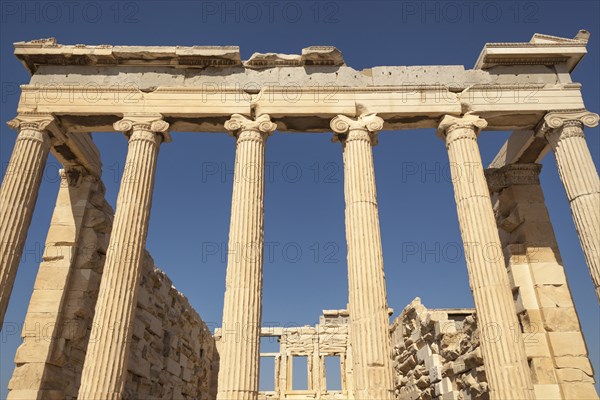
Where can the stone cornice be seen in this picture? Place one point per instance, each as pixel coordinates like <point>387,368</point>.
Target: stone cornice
<point>534,45</point>
<point>313,55</point>
<point>370,124</point>
<point>541,50</point>
<point>512,174</point>
<point>581,37</point>
<point>47,52</point>
<point>145,122</point>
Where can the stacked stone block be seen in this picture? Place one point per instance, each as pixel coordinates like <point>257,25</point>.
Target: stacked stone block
<point>172,349</point>
<point>436,355</point>
<point>554,344</point>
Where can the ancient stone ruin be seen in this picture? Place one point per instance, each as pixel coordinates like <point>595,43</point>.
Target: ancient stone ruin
<point>114,327</point>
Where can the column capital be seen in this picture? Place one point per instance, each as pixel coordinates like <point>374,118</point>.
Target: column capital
<point>262,125</point>
<point>450,123</point>
<point>74,175</point>
<point>365,127</point>
<point>151,122</point>
<point>512,174</point>
<point>31,120</point>
<point>561,118</point>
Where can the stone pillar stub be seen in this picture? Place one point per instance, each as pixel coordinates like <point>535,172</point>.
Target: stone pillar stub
<point>39,360</point>
<point>564,132</point>
<point>18,195</point>
<point>541,291</point>
<point>369,319</point>
<point>504,356</point>
<point>105,366</point>
<point>512,174</point>
<point>240,341</point>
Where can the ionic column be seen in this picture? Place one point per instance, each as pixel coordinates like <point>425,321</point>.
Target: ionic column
<point>366,279</point>
<point>501,340</point>
<point>18,195</point>
<point>240,353</point>
<point>564,132</point>
<point>105,366</point>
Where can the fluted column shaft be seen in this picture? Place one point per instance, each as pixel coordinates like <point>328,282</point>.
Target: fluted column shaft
<point>18,195</point>
<point>105,366</point>
<point>502,344</point>
<point>564,132</point>
<point>366,279</point>
<point>240,348</point>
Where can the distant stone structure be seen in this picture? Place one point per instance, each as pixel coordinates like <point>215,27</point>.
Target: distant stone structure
<point>104,323</point>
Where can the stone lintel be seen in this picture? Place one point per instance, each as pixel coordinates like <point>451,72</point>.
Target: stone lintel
<point>267,331</point>
<point>522,146</point>
<point>531,146</point>
<point>300,109</point>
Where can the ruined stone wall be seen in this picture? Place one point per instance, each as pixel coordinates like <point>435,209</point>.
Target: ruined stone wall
<point>436,355</point>
<point>172,349</point>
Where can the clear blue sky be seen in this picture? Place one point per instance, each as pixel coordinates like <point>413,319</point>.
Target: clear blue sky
<point>305,269</point>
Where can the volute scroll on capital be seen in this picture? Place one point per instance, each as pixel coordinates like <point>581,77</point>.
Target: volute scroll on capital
<point>367,125</point>
<point>133,123</point>
<point>239,124</point>
<point>450,123</point>
<point>31,120</point>
<point>558,119</point>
